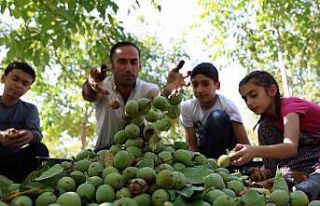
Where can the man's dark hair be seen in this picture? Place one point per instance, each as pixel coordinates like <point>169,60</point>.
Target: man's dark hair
<point>22,66</point>
<point>122,44</point>
<point>206,69</point>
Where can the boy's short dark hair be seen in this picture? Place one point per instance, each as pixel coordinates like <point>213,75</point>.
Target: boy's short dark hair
<point>206,69</point>
<point>22,66</point>
<point>122,44</point>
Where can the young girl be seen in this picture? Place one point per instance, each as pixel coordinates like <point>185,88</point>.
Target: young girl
<point>211,121</point>
<point>289,131</point>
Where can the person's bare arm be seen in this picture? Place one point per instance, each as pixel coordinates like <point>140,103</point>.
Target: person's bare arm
<point>191,138</point>
<point>15,138</point>
<point>240,132</point>
<point>288,148</point>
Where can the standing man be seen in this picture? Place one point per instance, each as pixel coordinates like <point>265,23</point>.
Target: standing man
<point>20,134</point>
<point>122,86</point>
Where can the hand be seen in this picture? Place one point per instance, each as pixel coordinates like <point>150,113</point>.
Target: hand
<point>175,81</point>
<point>9,133</point>
<point>96,78</point>
<point>243,153</point>
<point>260,174</point>
<point>23,137</point>
<point>6,136</point>
<point>15,138</point>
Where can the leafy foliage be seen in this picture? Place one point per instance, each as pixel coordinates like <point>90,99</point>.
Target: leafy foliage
<point>281,37</point>
<point>63,39</point>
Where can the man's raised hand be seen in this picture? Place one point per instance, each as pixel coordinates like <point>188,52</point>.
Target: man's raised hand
<point>96,78</point>
<point>175,80</point>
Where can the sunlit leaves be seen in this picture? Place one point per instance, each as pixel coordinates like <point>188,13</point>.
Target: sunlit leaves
<point>265,29</point>
<point>62,39</point>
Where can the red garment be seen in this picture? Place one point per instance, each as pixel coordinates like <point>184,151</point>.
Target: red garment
<point>309,113</point>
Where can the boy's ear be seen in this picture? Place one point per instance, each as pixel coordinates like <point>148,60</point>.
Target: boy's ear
<point>272,90</point>
<point>218,85</point>
<point>2,78</point>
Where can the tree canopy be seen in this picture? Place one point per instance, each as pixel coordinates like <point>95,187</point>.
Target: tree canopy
<point>63,40</point>
<point>281,37</point>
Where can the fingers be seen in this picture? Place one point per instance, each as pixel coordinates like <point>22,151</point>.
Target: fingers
<point>176,91</point>
<point>233,155</point>
<point>238,157</point>
<point>188,74</point>
<point>93,73</point>
<point>179,66</point>
<point>263,175</point>
<point>97,86</point>
<point>104,68</point>
<point>240,161</point>
<point>16,141</point>
<point>260,174</point>
<point>99,75</point>
<point>266,172</point>
<point>11,132</point>
<point>21,133</point>
<point>256,176</point>
<point>238,147</point>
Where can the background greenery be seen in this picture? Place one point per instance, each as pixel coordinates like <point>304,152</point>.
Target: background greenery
<point>63,39</point>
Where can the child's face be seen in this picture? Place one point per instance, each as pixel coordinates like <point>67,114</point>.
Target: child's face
<point>16,83</point>
<point>258,99</point>
<point>204,88</point>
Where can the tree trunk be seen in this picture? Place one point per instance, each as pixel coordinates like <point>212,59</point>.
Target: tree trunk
<point>84,127</point>
<point>287,88</point>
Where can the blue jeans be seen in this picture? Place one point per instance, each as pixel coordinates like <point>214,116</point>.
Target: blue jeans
<point>217,135</point>
<point>17,166</point>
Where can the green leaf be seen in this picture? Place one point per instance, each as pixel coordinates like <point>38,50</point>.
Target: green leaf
<point>3,6</point>
<point>191,190</point>
<point>88,5</point>
<point>71,5</point>
<point>172,194</point>
<point>181,201</point>
<point>110,18</point>
<point>55,170</point>
<point>186,192</point>
<point>252,198</point>
<point>196,175</point>
<point>115,7</point>
<point>4,184</point>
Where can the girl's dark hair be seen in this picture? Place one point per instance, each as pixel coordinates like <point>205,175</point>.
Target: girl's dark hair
<point>263,79</point>
<point>206,69</point>
<point>22,66</point>
<point>122,44</point>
